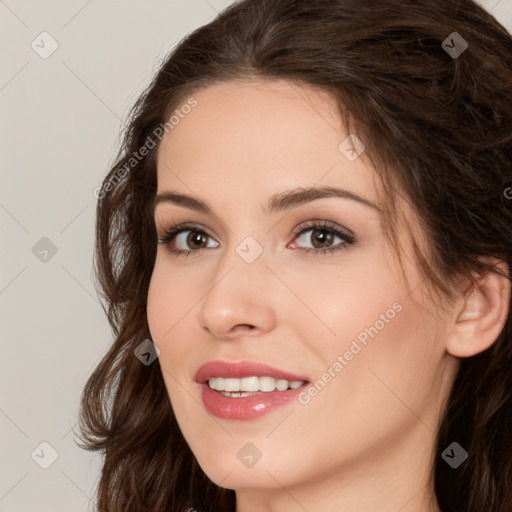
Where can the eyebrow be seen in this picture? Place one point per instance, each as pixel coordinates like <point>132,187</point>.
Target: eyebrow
<point>277,203</point>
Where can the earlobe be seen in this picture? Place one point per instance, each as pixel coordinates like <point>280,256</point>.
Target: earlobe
<point>481,314</point>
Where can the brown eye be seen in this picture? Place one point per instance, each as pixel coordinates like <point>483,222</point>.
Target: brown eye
<point>184,239</point>
<point>321,236</point>
<point>196,237</point>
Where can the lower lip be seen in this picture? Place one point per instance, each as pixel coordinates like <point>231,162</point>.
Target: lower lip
<point>246,407</point>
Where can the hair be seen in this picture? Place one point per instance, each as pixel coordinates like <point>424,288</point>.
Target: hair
<point>438,130</point>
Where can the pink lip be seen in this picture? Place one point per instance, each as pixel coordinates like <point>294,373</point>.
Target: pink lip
<point>241,369</point>
<point>248,407</point>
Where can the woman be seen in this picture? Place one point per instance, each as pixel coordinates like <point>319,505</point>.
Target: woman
<point>305,249</point>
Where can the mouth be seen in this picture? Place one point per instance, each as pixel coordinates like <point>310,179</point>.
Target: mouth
<point>246,390</point>
<point>249,386</point>
<point>246,376</point>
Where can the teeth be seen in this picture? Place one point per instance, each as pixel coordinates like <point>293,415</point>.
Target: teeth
<point>267,384</point>
<point>252,384</point>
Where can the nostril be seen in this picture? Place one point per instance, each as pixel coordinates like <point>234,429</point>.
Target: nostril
<point>245,326</point>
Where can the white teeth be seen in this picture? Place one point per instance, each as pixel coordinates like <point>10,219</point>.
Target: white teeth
<point>267,384</point>
<point>282,385</point>
<point>252,384</point>
<point>231,385</point>
<point>214,382</point>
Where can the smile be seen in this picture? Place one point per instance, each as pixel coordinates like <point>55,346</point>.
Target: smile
<point>245,390</point>
<point>249,385</point>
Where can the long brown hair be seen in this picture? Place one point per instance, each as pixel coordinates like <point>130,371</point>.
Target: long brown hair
<point>437,126</point>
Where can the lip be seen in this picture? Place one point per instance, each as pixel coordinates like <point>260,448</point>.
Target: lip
<point>241,369</point>
<point>248,407</point>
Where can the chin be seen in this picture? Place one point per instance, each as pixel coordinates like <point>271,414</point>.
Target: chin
<point>225,469</point>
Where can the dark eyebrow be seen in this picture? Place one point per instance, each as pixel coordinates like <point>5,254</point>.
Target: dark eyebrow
<point>290,198</point>
<point>277,203</point>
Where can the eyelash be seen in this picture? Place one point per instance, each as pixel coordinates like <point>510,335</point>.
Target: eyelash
<point>170,234</point>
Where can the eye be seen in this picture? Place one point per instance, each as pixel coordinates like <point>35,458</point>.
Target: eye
<point>322,236</point>
<point>185,239</point>
<point>183,235</point>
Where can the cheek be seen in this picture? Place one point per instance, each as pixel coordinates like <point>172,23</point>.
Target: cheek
<point>387,342</point>
<point>166,313</point>
<point>156,305</point>
<point>171,297</point>
<point>344,300</point>
<point>164,309</point>
<point>174,299</point>
<point>382,368</point>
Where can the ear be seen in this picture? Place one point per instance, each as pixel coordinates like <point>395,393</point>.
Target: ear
<point>480,313</point>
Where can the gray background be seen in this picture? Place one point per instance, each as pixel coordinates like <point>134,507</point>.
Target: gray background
<point>61,119</point>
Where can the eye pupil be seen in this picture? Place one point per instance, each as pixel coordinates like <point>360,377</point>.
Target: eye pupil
<point>195,237</point>
<point>327,236</point>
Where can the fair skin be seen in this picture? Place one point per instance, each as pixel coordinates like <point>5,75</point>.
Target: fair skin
<point>366,441</point>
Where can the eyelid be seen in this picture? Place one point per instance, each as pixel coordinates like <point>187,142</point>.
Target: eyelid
<point>176,229</point>
<point>301,227</point>
<point>346,235</point>
<point>324,224</point>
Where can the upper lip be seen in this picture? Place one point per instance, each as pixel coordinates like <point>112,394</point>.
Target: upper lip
<point>242,369</point>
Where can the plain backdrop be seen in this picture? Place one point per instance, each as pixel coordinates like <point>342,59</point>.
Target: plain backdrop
<point>61,116</point>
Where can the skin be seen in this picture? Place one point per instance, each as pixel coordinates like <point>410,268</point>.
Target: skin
<point>365,442</point>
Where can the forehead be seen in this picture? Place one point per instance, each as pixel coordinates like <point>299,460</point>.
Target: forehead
<point>262,135</point>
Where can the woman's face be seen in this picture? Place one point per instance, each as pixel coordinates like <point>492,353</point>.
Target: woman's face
<point>257,288</point>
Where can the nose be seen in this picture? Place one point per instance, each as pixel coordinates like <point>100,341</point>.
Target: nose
<point>238,299</point>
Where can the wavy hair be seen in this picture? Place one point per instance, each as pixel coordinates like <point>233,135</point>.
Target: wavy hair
<point>436,126</point>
